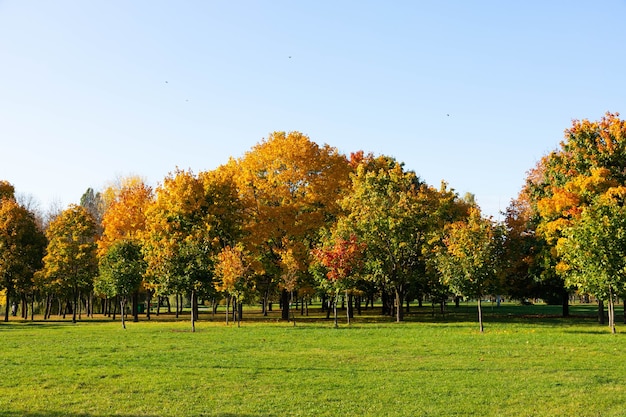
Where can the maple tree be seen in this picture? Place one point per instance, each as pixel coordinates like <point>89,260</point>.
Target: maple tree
<point>176,245</point>
<point>340,260</point>
<point>22,246</point>
<point>289,186</point>
<point>593,249</point>
<point>471,260</point>
<point>191,219</point>
<point>591,159</point>
<point>231,272</point>
<point>123,220</point>
<point>124,217</point>
<point>122,267</point>
<point>389,210</point>
<point>71,263</point>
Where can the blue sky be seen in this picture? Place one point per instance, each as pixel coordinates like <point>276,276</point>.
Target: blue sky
<point>473,93</point>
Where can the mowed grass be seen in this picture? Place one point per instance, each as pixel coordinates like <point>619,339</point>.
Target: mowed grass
<point>430,367</point>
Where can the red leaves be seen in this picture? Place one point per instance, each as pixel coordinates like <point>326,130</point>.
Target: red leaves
<point>342,258</point>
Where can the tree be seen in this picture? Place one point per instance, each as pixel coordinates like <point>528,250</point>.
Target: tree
<point>471,260</point>
<point>189,222</point>
<point>390,211</point>
<point>591,159</point>
<point>341,261</point>
<point>231,273</point>
<point>22,246</point>
<point>289,186</point>
<point>124,220</point>
<point>7,191</point>
<point>71,262</point>
<point>594,249</point>
<point>95,205</point>
<point>124,217</point>
<point>122,267</point>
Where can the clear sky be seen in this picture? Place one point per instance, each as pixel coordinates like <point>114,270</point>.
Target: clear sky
<point>470,92</point>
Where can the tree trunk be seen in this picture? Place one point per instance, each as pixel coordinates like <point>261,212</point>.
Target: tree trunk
<point>601,312</point>
<point>149,302</point>
<point>329,302</point>
<point>348,309</point>
<point>239,313</point>
<point>399,300</point>
<point>565,303</point>
<point>6,307</point>
<point>335,311</point>
<point>611,311</point>
<point>293,314</point>
<point>123,308</point>
<point>135,306</point>
<point>227,308</point>
<point>480,315</point>
<point>176,305</point>
<point>47,309</point>
<point>284,299</point>
<point>193,310</point>
<point>75,306</point>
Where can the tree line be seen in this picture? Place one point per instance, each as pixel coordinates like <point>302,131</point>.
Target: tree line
<point>291,220</point>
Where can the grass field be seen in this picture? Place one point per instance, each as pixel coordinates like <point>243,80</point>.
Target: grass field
<point>527,363</point>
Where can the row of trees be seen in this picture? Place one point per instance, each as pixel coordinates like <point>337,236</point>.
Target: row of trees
<point>291,218</point>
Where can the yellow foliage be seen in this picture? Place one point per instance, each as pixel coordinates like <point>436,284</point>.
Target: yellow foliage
<point>125,215</point>
<point>289,187</point>
<point>229,269</point>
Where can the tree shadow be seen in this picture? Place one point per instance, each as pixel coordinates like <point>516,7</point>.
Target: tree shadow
<point>66,414</point>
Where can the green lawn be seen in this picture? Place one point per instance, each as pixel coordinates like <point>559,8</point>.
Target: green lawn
<point>427,366</point>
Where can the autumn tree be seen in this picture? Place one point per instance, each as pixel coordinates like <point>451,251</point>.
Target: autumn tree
<point>289,186</point>
<point>231,272</point>
<point>338,262</point>
<point>590,160</point>
<point>470,262</point>
<point>7,190</point>
<point>390,211</point>
<point>522,247</point>
<point>594,249</point>
<point>189,222</point>
<point>22,246</point>
<point>124,221</point>
<point>71,262</point>
<point>122,267</point>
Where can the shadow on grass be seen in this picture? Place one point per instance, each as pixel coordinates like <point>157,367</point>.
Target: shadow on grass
<point>66,414</point>
<point>540,314</point>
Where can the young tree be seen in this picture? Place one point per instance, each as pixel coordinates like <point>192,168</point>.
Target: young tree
<point>71,262</point>
<point>470,262</point>
<point>341,261</point>
<point>22,246</point>
<point>231,273</point>
<point>121,271</point>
